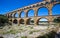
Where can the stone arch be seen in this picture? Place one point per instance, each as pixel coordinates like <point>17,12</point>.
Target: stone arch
<point>15,21</point>
<point>56,9</point>
<point>12,15</point>
<point>22,14</point>
<point>30,21</point>
<point>16,15</point>
<point>43,11</point>
<point>8,15</point>
<point>30,13</point>
<point>42,21</point>
<point>21,21</point>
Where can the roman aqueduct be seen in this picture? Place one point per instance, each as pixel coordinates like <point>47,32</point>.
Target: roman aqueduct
<point>46,4</point>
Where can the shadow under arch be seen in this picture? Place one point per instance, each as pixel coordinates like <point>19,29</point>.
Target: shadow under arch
<point>42,21</point>
<point>30,21</point>
<point>43,11</point>
<point>21,21</point>
<point>10,20</point>
<point>30,13</point>
<point>56,9</point>
<point>15,21</point>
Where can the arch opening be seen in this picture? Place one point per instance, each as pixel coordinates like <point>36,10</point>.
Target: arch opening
<point>16,15</point>
<point>22,15</point>
<point>15,21</point>
<point>12,15</point>
<point>30,13</point>
<point>30,21</point>
<point>43,11</point>
<point>42,21</point>
<point>56,9</point>
<point>21,21</point>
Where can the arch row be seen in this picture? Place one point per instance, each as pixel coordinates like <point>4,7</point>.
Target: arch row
<point>18,12</point>
<point>30,21</point>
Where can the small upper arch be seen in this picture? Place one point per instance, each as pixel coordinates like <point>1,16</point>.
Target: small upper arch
<point>30,12</point>
<point>43,11</point>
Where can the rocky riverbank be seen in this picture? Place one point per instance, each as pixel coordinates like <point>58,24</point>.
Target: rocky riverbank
<point>26,31</point>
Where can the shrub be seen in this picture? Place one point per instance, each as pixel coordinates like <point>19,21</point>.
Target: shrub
<point>31,32</point>
<point>49,35</point>
<point>24,37</point>
<point>3,20</point>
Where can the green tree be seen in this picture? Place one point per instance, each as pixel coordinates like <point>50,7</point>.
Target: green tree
<point>3,20</point>
<point>32,21</point>
<point>57,20</point>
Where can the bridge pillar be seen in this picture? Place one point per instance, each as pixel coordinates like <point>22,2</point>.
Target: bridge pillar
<point>19,14</point>
<point>26,11</point>
<point>18,18</point>
<point>8,15</point>
<point>50,19</point>
<point>25,22</point>
<point>11,15</point>
<point>48,0</point>
<point>18,22</point>
<point>14,15</point>
<point>12,21</point>
<point>50,13</point>
<point>35,16</point>
<point>50,8</point>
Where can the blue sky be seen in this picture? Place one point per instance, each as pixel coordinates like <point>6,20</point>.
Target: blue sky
<point>9,5</point>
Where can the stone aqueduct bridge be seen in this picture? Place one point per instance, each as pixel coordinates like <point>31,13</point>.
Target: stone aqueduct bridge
<point>35,7</point>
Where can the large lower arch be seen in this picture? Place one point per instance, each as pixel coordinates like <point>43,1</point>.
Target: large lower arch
<point>21,21</point>
<point>30,21</point>
<point>42,21</point>
<point>56,9</point>
<point>30,13</point>
<point>15,21</point>
<point>43,11</point>
<point>22,14</point>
